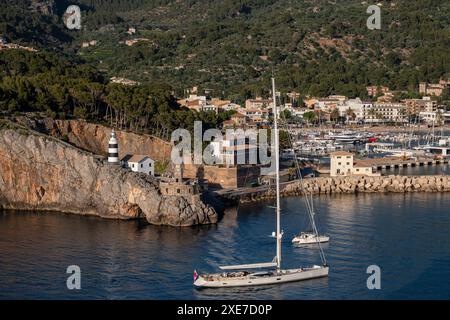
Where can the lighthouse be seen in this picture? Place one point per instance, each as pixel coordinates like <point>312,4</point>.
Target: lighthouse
<point>113,149</point>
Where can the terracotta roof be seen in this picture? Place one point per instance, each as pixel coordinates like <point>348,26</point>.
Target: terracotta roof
<point>135,158</point>
<point>238,115</point>
<point>193,102</point>
<point>362,165</point>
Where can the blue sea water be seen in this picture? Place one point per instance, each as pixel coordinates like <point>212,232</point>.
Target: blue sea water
<point>406,235</point>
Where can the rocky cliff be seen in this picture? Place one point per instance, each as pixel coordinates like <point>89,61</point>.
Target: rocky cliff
<point>94,137</point>
<point>38,172</point>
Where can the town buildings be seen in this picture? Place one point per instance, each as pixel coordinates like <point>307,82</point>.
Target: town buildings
<point>204,103</point>
<point>387,112</point>
<point>258,103</point>
<point>435,89</point>
<point>416,106</point>
<point>373,91</point>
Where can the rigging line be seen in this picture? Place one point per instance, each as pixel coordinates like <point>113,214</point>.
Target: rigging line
<point>299,174</point>
<point>307,202</point>
<point>310,211</point>
<point>239,200</point>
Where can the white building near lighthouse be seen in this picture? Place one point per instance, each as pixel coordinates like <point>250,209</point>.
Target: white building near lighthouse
<point>139,163</point>
<point>113,149</point>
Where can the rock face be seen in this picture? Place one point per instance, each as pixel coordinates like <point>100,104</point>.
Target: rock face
<point>95,137</point>
<point>354,184</point>
<point>38,172</point>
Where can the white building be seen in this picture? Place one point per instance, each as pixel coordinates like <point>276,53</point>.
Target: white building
<point>358,107</point>
<point>230,106</point>
<point>342,164</point>
<point>139,163</point>
<point>428,117</point>
<point>235,149</point>
<point>388,111</point>
<point>330,103</point>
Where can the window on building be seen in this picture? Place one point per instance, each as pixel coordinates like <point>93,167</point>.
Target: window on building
<point>339,163</point>
<point>142,165</point>
<point>348,163</point>
<point>338,171</point>
<point>178,190</point>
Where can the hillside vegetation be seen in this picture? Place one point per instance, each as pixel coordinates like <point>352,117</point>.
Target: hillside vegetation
<point>231,47</point>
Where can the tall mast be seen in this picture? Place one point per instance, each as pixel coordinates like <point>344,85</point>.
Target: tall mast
<point>277,173</point>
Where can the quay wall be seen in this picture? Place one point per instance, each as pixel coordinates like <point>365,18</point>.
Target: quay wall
<point>351,184</point>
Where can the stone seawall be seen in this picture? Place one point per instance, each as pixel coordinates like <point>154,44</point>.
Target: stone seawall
<point>354,184</point>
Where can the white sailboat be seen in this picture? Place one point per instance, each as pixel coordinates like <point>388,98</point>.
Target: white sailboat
<point>273,272</point>
<point>312,236</point>
<point>309,238</point>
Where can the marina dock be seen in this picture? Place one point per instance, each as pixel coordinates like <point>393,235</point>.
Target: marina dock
<point>392,163</point>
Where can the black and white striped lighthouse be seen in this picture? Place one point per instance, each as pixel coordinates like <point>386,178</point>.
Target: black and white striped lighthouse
<point>113,149</point>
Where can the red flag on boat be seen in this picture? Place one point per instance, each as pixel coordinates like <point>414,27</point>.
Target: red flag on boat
<point>195,275</point>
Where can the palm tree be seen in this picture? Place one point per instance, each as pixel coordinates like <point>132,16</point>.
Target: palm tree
<point>309,116</point>
<point>334,115</point>
<point>350,114</point>
<point>439,118</point>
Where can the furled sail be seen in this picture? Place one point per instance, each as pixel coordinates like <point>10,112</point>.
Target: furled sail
<point>250,266</point>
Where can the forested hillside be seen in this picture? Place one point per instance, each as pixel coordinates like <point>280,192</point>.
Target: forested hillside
<point>45,83</point>
<point>231,47</point>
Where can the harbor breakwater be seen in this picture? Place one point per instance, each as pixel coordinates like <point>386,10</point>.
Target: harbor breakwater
<point>349,185</point>
<point>42,173</point>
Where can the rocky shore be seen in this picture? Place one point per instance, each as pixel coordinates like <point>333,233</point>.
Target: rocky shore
<point>38,172</point>
<point>355,184</point>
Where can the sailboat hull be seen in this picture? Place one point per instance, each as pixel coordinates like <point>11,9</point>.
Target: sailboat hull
<point>310,238</point>
<point>261,278</point>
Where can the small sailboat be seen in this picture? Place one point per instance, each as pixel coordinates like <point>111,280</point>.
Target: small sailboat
<point>309,238</point>
<point>312,236</point>
<point>270,272</point>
